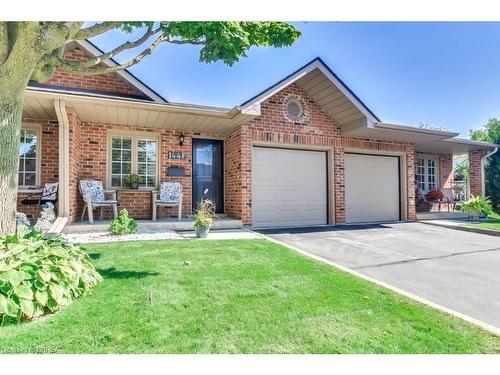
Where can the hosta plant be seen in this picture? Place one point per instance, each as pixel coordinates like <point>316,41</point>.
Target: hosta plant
<point>38,276</point>
<point>123,224</point>
<point>476,205</point>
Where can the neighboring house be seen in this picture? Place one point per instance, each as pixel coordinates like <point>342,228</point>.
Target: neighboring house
<point>306,151</point>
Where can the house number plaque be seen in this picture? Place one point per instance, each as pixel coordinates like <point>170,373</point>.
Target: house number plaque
<point>176,155</point>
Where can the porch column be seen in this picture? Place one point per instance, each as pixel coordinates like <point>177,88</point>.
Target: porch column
<point>63,195</point>
<point>476,172</point>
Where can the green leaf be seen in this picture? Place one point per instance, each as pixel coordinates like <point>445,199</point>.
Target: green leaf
<point>5,288</point>
<point>3,304</point>
<point>27,308</point>
<point>15,277</point>
<point>52,305</point>
<point>43,275</point>
<point>23,292</point>
<point>12,308</point>
<point>39,285</point>
<point>42,297</point>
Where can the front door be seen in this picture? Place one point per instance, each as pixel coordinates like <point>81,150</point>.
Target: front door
<point>208,172</point>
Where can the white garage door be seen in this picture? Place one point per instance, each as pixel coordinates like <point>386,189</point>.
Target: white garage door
<point>371,188</point>
<point>289,187</point>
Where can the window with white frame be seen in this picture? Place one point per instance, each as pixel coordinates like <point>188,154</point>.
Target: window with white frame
<point>427,173</point>
<point>131,154</point>
<point>29,157</point>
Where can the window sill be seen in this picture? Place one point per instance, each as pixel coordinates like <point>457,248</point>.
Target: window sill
<point>32,190</point>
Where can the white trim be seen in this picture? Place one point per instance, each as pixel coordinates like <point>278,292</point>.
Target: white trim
<point>483,159</point>
<point>64,164</point>
<point>135,136</point>
<point>413,129</point>
<point>122,73</point>
<point>253,107</point>
<point>437,175</point>
<point>37,128</point>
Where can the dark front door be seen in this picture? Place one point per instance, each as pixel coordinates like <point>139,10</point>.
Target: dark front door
<point>208,172</point>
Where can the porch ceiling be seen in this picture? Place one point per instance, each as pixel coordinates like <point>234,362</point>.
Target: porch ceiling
<point>110,110</point>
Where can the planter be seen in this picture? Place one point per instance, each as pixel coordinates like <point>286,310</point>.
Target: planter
<point>134,186</point>
<point>201,232</point>
<point>472,212</point>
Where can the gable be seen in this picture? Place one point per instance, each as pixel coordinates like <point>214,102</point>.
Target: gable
<point>327,90</point>
<point>122,83</point>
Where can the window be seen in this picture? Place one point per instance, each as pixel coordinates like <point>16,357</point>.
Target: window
<point>29,153</point>
<point>133,155</point>
<point>427,173</point>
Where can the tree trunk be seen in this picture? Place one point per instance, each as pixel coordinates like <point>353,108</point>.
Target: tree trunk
<point>11,109</point>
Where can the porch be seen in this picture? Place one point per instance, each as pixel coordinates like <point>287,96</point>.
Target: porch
<point>186,224</point>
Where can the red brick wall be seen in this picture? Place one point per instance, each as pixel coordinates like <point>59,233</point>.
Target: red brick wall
<point>445,170</point>
<point>49,171</point>
<point>107,83</point>
<point>89,153</point>
<point>475,172</point>
<point>318,130</point>
<point>232,174</point>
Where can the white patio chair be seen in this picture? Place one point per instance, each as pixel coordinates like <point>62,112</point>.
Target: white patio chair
<point>449,199</point>
<point>94,196</point>
<point>170,196</point>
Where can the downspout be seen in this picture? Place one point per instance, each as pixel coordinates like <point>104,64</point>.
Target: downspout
<point>483,159</point>
<point>63,198</point>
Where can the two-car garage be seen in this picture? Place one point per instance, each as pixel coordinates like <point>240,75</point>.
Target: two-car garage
<point>290,187</point>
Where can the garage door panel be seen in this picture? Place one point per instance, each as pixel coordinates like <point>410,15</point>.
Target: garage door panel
<point>289,187</point>
<point>371,188</point>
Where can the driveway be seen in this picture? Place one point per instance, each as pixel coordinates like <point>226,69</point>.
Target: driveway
<point>458,270</point>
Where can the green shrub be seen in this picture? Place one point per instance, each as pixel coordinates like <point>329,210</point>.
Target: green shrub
<point>123,224</point>
<point>38,276</point>
<point>205,214</point>
<point>479,203</point>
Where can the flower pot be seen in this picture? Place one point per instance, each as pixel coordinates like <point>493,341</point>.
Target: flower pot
<point>134,186</point>
<point>472,212</point>
<point>201,232</point>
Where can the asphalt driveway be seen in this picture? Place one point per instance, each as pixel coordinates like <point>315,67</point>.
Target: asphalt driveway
<point>459,270</point>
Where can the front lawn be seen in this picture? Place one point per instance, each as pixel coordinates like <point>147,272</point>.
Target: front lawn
<point>492,222</point>
<point>246,296</point>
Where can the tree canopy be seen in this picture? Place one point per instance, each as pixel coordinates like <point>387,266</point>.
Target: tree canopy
<point>490,132</point>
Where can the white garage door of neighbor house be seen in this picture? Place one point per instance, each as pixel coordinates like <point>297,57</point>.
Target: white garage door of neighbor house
<point>372,190</point>
<point>289,187</point>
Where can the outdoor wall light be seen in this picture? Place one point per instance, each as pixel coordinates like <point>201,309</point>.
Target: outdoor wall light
<point>181,139</point>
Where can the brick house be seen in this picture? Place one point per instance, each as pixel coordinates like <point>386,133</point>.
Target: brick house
<point>306,151</point>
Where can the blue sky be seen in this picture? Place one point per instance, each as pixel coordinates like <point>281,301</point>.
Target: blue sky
<point>442,74</point>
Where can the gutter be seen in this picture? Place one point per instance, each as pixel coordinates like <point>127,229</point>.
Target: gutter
<point>483,159</point>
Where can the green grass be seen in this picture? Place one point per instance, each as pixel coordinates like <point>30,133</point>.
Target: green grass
<point>492,222</point>
<point>248,296</point>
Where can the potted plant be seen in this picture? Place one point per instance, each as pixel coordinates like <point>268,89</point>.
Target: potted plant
<point>132,180</point>
<point>434,195</point>
<point>477,205</point>
<point>204,218</point>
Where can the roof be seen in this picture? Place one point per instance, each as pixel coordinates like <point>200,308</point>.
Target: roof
<point>311,69</point>
<point>124,74</point>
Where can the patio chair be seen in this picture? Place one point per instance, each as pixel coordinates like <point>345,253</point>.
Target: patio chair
<point>170,196</point>
<point>94,196</point>
<point>48,194</point>
<point>449,199</point>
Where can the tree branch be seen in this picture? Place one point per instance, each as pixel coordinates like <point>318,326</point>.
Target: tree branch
<point>73,29</point>
<point>91,71</point>
<point>94,30</point>
<point>106,56</point>
<point>187,41</point>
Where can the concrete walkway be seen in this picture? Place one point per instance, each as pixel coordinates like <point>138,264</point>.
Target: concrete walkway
<point>458,270</point>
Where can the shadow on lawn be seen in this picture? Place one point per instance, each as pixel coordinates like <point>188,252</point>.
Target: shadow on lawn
<point>94,256</point>
<point>113,273</point>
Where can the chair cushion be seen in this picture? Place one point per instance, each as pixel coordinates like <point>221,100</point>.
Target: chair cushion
<point>92,190</point>
<point>49,192</point>
<point>170,192</point>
